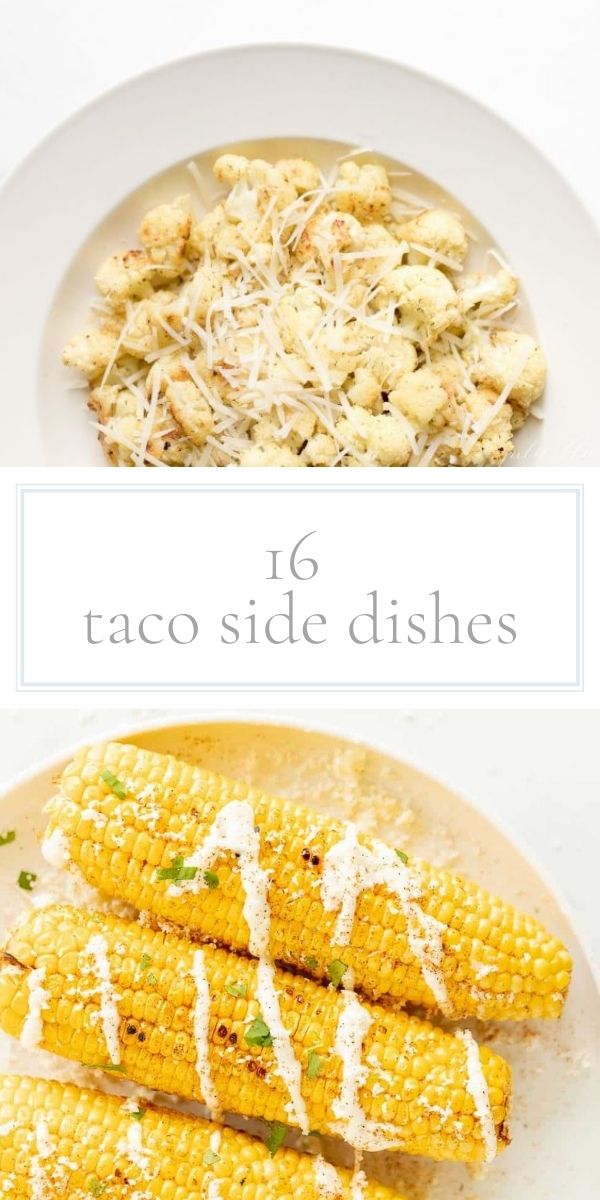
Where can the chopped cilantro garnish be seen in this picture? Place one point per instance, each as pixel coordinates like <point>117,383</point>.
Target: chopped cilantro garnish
<point>277,1133</point>
<point>106,1066</point>
<point>236,989</point>
<point>152,979</point>
<point>402,856</point>
<point>315,1065</point>
<point>26,880</point>
<point>114,784</point>
<point>336,971</point>
<point>211,880</point>
<point>138,1114</point>
<point>145,962</point>
<point>95,1188</point>
<point>311,962</point>
<point>210,1157</point>
<point>258,1033</point>
<point>177,872</point>
<point>7,838</point>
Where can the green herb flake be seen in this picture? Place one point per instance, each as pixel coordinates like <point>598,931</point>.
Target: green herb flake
<point>311,962</point>
<point>7,838</point>
<point>236,989</point>
<point>114,784</point>
<point>210,1157</point>
<point>315,1065</point>
<point>336,971</point>
<point>106,1066</point>
<point>26,880</point>
<point>277,1133</point>
<point>402,856</point>
<point>138,1114</point>
<point>152,979</point>
<point>95,1188</point>
<point>145,962</point>
<point>177,872</point>
<point>211,880</point>
<point>258,1033</point>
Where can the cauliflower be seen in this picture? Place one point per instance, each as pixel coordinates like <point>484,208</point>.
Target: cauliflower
<point>304,176</point>
<point>90,352</point>
<point>363,190</point>
<point>439,231</point>
<point>422,398</point>
<point>494,444</point>
<point>303,323</point>
<point>320,451</point>
<point>269,455</point>
<point>383,438</point>
<point>129,276</point>
<point>190,409</point>
<point>425,297</point>
<point>487,292</point>
<point>326,235</point>
<point>165,230</point>
<point>500,361</point>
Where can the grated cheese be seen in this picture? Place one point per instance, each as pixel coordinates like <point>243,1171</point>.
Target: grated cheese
<point>97,948</point>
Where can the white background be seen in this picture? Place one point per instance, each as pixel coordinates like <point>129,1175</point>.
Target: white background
<point>535,64</point>
<point>536,773</point>
<point>207,554</point>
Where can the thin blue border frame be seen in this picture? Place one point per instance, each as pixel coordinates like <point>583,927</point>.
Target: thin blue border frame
<point>22,490</point>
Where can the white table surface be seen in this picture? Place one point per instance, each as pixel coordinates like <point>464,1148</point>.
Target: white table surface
<point>534,64</point>
<point>534,772</point>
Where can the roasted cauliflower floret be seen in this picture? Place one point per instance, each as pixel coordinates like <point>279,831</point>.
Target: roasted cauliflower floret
<point>424,296</point>
<point>320,451</point>
<point>267,181</point>
<point>326,235</point>
<point>117,409</point>
<point>297,317</point>
<point>90,352</point>
<point>383,438</point>
<point>165,230</point>
<point>512,356</point>
<point>294,434</point>
<point>190,409</point>
<point>389,360</point>
<point>495,442</point>
<point>304,176</point>
<point>485,293</point>
<point>363,190</point>
<point>440,232</point>
<point>270,455</point>
<point>129,276</point>
<point>422,398</point>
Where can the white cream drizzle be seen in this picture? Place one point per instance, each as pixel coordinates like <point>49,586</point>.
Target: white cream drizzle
<point>288,1067</point>
<point>97,947</point>
<point>37,1173</point>
<point>352,1124</point>
<point>33,1027</point>
<point>327,1180</point>
<point>349,868</point>
<point>201,1033</point>
<point>233,830</point>
<point>478,1089</point>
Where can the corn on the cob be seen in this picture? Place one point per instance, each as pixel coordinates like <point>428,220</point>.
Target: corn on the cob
<point>60,1140</point>
<point>202,1023</point>
<point>406,929</point>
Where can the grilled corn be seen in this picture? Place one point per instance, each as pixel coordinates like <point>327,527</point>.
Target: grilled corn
<point>204,1023</point>
<point>60,1140</point>
<point>127,817</point>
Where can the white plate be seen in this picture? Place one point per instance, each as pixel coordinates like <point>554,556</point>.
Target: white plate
<point>70,203</point>
<point>555,1065</point>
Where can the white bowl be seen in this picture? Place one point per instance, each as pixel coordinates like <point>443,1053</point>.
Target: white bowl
<point>81,194</point>
<point>555,1065</point>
